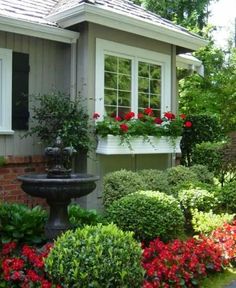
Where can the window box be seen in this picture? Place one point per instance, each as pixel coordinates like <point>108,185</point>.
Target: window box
<point>112,145</point>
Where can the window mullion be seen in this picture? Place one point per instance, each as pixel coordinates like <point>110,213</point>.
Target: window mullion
<point>134,105</point>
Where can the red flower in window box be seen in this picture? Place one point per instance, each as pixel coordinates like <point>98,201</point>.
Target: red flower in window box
<point>124,127</point>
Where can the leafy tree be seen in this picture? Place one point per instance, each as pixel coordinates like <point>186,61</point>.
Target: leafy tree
<point>192,14</point>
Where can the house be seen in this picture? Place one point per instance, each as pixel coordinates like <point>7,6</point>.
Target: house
<point>65,45</point>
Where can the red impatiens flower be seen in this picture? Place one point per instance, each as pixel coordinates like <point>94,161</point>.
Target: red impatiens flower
<point>158,120</point>
<point>118,118</point>
<point>140,115</point>
<point>148,111</point>
<point>169,115</point>
<point>129,115</point>
<point>188,124</point>
<point>96,115</point>
<point>124,127</point>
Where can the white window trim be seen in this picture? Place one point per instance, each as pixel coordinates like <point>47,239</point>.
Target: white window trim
<point>6,91</point>
<point>136,54</point>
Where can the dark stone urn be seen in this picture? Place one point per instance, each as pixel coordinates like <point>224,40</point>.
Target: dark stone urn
<point>58,186</point>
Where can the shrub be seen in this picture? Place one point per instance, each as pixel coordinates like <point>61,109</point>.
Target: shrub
<point>196,198</point>
<point>179,174</point>
<point>202,173</point>
<point>180,263</point>
<point>80,217</point>
<point>24,266</point>
<point>96,256</point>
<point>148,214</point>
<point>204,128</point>
<point>22,224</point>
<point>154,180</point>
<point>206,222</point>
<point>227,197</point>
<point>120,183</point>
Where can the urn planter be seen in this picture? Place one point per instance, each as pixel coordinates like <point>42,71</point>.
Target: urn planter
<point>113,145</point>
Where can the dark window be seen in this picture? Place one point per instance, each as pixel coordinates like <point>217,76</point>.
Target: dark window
<point>20,91</point>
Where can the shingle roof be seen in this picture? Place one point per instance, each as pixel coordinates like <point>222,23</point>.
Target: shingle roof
<point>37,10</point>
<point>29,10</point>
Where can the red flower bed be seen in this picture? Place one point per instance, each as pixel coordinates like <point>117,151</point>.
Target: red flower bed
<point>180,263</point>
<point>24,266</point>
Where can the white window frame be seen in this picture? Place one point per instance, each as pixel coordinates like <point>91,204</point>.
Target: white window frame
<point>104,47</point>
<point>5,91</point>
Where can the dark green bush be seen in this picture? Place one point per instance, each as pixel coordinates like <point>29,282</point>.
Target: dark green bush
<point>204,128</point>
<point>80,217</point>
<point>22,224</point>
<point>206,222</point>
<point>202,173</point>
<point>120,183</point>
<point>227,197</point>
<point>96,256</point>
<point>154,180</point>
<point>149,214</point>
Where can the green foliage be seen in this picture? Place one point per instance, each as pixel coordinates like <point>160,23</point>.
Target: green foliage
<point>154,180</point>
<point>203,174</point>
<point>149,214</point>
<point>195,198</point>
<point>118,184</point>
<point>227,197</point>
<point>211,155</point>
<point>80,217</point>
<point>2,161</point>
<point>54,114</point>
<point>96,256</point>
<point>204,128</point>
<point>190,14</point>
<point>22,224</point>
<point>206,222</point>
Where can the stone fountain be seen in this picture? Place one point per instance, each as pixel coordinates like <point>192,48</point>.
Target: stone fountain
<point>58,186</point>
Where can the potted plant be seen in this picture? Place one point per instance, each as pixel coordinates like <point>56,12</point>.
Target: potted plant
<point>140,134</point>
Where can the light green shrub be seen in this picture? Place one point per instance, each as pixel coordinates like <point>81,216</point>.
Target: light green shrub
<point>149,214</point>
<point>227,197</point>
<point>206,222</point>
<point>154,180</point>
<point>120,183</point>
<point>97,257</point>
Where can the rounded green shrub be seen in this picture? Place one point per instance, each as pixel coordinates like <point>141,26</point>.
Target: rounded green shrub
<point>154,180</point>
<point>96,256</point>
<point>120,183</point>
<point>178,174</point>
<point>227,197</point>
<point>149,214</point>
<point>203,174</point>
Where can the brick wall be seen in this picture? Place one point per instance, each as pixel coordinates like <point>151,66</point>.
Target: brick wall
<point>10,190</point>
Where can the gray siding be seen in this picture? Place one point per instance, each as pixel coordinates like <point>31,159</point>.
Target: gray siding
<point>49,70</point>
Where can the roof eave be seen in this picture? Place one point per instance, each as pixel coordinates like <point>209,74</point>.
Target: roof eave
<point>110,18</point>
<point>23,27</point>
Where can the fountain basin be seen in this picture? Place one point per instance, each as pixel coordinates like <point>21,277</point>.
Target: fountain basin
<point>58,193</point>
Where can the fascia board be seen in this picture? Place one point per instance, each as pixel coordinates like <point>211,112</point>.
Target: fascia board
<point>37,30</point>
<point>108,17</point>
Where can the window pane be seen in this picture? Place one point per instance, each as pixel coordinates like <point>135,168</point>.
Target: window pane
<point>124,82</point>
<point>124,66</point>
<point>117,91</point>
<point>149,86</point>
<point>110,97</point>
<point>110,80</point>
<point>143,69</point>
<point>110,63</point>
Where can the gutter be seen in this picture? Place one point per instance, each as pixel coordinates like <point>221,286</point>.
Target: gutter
<point>109,17</point>
<point>37,30</point>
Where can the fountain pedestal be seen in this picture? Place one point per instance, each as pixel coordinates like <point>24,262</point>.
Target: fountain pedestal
<point>58,187</point>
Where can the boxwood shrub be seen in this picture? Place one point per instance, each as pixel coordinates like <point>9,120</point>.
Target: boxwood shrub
<point>96,256</point>
<point>149,214</point>
<point>120,183</point>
